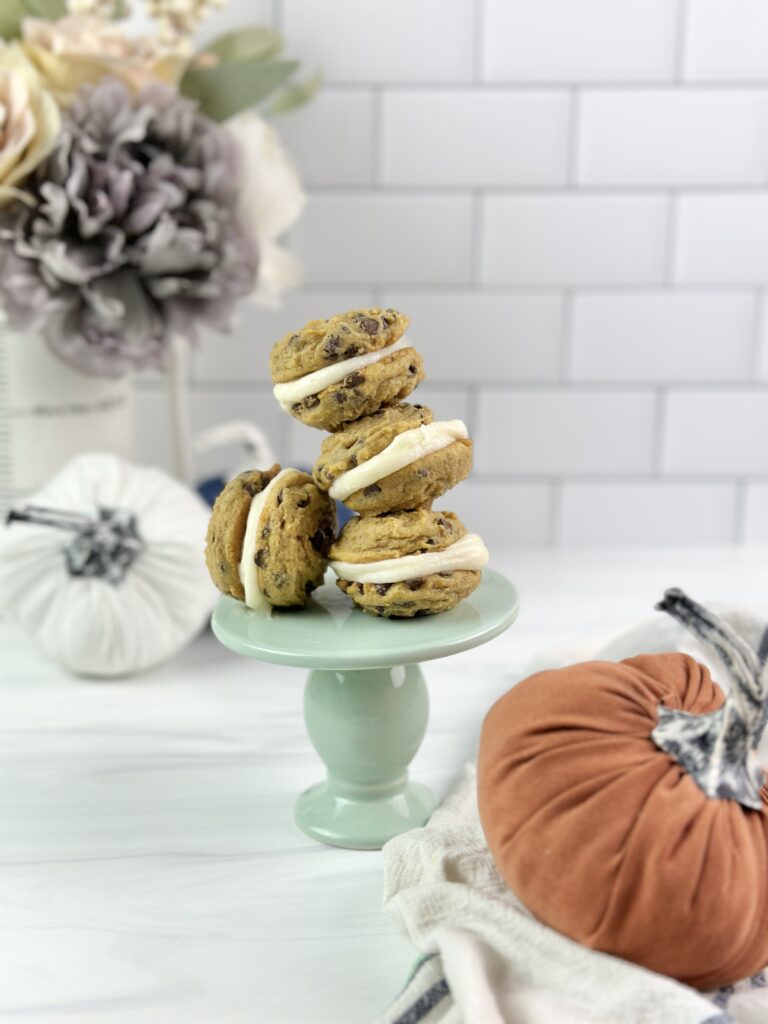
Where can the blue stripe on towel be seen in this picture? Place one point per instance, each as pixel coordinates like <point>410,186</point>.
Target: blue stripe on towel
<point>424,1004</point>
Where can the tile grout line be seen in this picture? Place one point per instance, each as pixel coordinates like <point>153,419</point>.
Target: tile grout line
<point>681,42</point>
<point>377,139</point>
<point>740,512</point>
<point>658,432</point>
<point>477,229</point>
<point>565,352</point>
<point>473,409</point>
<point>478,41</point>
<point>670,242</point>
<point>760,321</point>
<point>555,529</point>
<point>669,84</point>
<point>548,189</point>
<point>574,137</point>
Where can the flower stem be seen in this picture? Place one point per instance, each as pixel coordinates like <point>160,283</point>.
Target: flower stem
<point>178,402</point>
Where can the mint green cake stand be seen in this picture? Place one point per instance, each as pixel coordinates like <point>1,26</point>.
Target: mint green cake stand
<point>366,704</point>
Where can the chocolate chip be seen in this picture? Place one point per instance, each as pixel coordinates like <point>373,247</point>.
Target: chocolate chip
<point>418,407</point>
<point>332,345</point>
<point>266,531</point>
<point>412,368</point>
<point>421,613</point>
<point>442,522</point>
<point>280,497</point>
<point>296,406</point>
<point>318,541</point>
<point>340,397</point>
<point>311,401</point>
<point>360,588</point>
<point>422,473</point>
<point>430,541</point>
<point>353,379</point>
<point>349,351</point>
<point>369,325</point>
<point>302,503</point>
<point>309,586</point>
<point>352,461</point>
<point>261,558</point>
<point>445,575</point>
<point>416,584</point>
<point>371,489</point>
<point>250,488</point>
<point>380,609</point>
<point>382,588</point>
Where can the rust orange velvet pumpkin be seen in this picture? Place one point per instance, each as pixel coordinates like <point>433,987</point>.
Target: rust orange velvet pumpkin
<point>624,805</point>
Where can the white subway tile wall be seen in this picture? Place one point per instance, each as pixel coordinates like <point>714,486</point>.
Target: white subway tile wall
<point>570,200</point>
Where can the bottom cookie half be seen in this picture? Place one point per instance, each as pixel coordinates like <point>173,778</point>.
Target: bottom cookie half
<point>429,595</point>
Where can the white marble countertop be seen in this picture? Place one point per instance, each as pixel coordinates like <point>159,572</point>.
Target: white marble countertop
<point>150,871</point>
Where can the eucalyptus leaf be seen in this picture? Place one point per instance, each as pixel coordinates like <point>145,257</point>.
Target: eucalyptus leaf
<point>295,95</point>
<point>254,41</point>
<point>11,13</point>
<point>48,9</point>
<point>227,89</point>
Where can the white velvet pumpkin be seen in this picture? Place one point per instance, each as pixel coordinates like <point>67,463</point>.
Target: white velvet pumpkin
<point>104,566</point>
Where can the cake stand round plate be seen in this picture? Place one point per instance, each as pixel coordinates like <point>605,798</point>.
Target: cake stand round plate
<point>366,705</point>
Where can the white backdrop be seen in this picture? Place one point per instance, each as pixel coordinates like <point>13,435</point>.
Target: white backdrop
<point>569,199</point>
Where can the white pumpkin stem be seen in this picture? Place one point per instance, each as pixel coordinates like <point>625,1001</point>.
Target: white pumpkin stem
<point>105,545</point>
<point>717,749</point>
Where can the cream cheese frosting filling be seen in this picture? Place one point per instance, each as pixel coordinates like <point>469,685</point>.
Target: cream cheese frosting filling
<point>295,390</point>
<point>406,448</point>
<point>248,570</point>
<point>468,552</point>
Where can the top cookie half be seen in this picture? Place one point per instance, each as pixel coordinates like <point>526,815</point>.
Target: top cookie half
<point>334,371</point>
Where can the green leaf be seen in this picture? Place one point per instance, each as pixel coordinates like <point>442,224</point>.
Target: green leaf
<point>295,95</point>
<point>11,13</point>
<point>255,41</point>
<point>43,8</point>
<point>227,89</point>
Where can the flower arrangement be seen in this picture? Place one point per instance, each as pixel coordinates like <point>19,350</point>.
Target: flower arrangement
<point>141,195</point>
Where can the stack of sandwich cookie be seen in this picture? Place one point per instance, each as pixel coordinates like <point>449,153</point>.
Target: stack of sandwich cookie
<point>395,460</point>
<point>385,459</point>
<point>268,538</point>
<point>334,371</point>
<point>407,564</point>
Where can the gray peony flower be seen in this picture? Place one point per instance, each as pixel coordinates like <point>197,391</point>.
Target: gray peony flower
<point>135,235</point>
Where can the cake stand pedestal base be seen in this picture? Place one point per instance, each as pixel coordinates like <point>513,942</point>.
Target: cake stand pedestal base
<point>366,725</point>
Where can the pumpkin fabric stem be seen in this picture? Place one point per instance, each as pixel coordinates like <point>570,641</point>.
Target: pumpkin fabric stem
<point>105,545</point>
<point>717,749</point>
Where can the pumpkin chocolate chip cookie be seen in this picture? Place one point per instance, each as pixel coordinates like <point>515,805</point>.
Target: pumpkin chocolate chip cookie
<point>407,563</point>
<point>396,459</point>
<point>334,371</point>
<point>268,538</point>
